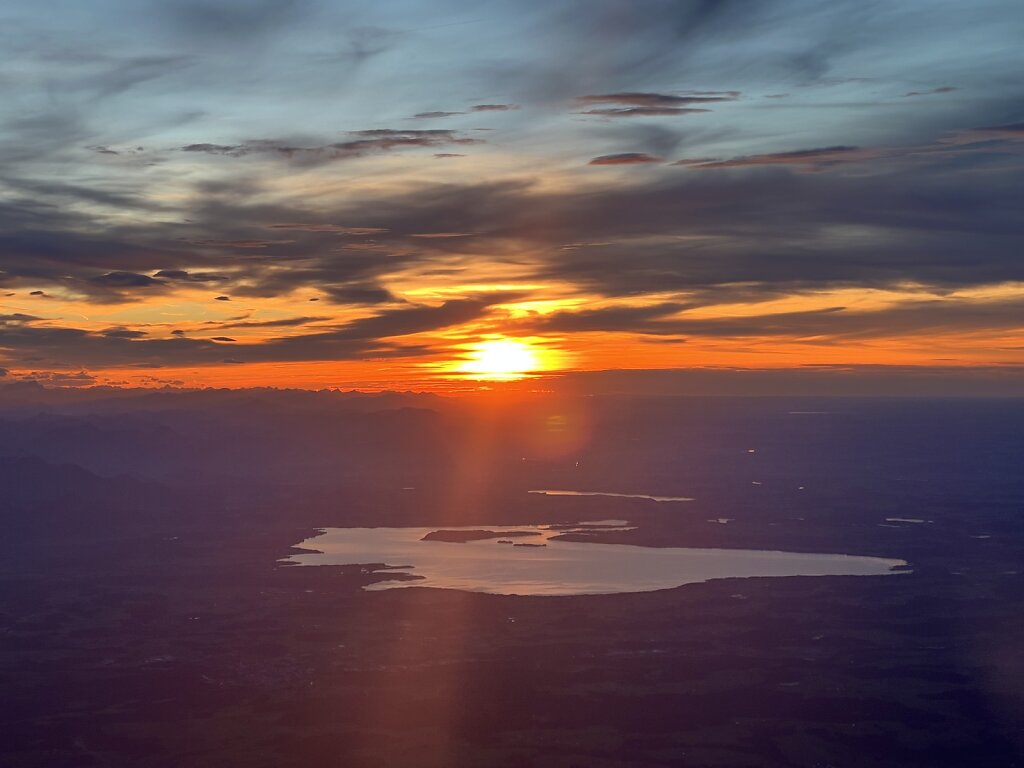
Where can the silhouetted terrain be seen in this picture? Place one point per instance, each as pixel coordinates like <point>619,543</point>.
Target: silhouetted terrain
<point>145,618</point>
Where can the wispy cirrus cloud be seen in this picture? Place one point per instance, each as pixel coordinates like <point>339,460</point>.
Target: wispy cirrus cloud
<point>438,114</point>
<point>820,157</point>
<point>434,115</point>
<point>625,158</point>
<point>336,229</point>
<point>641,104</point>
<point>930,91</point>
<point>988,140</point>
<point>364,143</point>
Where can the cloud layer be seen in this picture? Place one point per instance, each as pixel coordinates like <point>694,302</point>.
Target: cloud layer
<point>184,187</point>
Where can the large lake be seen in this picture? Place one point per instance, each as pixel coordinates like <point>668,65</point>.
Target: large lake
<point>513,562</point>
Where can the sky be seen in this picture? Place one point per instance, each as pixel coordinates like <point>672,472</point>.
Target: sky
<point>439,195</point>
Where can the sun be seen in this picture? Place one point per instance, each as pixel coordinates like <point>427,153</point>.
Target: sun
<point>501,360</point>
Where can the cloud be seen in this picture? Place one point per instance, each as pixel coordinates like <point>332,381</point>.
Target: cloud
<point>248,243</point>
<point>996,140</point>
<point>214,149</point>
<point>71,193</point>
<point>689,232</point>
<point>638,99</point>
<point>358,294</point>
<point>606,46</point>
<point>124,333</point>
<point>634,319</point>
<point>908,318</point>
<point>625,158</point>
<point>369,337</point>
<point>332,228</point>
<point>192,277</point>
<point>640,104</point>
<point>59,378</point>
<point>232,22</point>
<point>1012,131</point>
<point>820,157</point>
<point>364,143</point>
<point>696,160</point>
<point>16,318</point>
<point>641,111</point>
<point>475,108</point>
<point>941,89</point>
<point>696,231</point>
<point>434,115</point>
<point>287,322</point>
<point>80,225</point>
<point>364,43</point>
<point>122,279</point>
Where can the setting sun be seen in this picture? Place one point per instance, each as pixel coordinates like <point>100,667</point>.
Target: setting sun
<point>501,359</point>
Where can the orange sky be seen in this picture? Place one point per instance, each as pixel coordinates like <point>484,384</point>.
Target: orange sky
<point>336,207</point>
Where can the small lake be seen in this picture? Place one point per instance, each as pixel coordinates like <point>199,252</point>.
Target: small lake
<point>529,560</point>
<point>613,495</point>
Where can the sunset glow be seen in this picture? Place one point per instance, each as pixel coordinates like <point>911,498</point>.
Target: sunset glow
<point>179,210</point>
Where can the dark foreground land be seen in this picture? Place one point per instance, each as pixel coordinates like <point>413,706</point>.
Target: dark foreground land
<point>145,619</point>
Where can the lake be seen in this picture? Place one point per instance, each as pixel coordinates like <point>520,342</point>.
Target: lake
<point>530,560</point>
<point>613,495</point>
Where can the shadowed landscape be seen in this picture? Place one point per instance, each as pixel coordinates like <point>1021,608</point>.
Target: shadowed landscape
<point>147,616</point>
